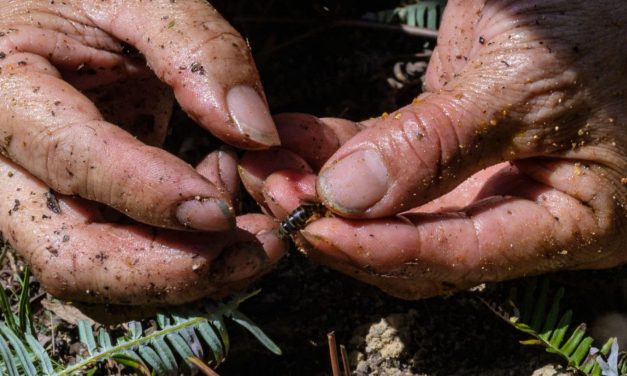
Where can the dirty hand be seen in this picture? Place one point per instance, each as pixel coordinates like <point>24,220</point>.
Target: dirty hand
<point>512,163</point>
<point>82,113</point>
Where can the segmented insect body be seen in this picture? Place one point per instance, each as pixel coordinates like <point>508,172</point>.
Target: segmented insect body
<point>298,219</point>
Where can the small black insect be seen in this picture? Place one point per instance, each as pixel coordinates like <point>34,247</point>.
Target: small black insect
<point>298,219</point>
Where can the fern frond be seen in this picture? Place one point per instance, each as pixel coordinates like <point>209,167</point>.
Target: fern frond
<point>182,334</point>
<point>421,13</point>
<point>22,357</point>
<point>177,342</point>
<point>20,353</point>
<point>545,330</point>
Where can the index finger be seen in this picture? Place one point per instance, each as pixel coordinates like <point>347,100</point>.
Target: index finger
<point>208,64</point>
<point>528,228</point>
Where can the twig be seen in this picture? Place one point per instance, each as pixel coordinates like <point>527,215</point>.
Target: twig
<point>335,365</point>
<point>204,368</point>
<point>344,360</point>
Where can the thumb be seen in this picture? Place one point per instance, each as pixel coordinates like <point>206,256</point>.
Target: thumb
<point>420,152</point>
<point>505,88</point>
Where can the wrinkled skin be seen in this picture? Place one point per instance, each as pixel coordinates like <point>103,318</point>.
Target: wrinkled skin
<point>512,163</point>
<point>83,113</point>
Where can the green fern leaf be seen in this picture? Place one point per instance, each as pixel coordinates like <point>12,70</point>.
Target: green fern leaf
<point>190,337</point>
<point>86,336</point>
<point>551,318</point>
<point>524,328</point>
<point>532,342</point>
<point>244,321</point>
<point>153,359</point>
<point>179,344</point>
<point>209,336</point>
<point>572,343</point>
<point>24,357</point>
<point>166,355</point>
<point>104,340</point>
<point>162,320</point>
<point>7,357</point>
<point>582,351</point>
<point>135,329</point>
<point>39,351</point>
<point>218,323</point>
<point>622,364</point>
<point>539,309</point>
<point>560,331</point>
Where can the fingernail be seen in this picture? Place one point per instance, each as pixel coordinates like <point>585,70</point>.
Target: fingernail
<point>239,261</point>
<point>206,214</point>
<point>251,115</point>
<point>356,182</point>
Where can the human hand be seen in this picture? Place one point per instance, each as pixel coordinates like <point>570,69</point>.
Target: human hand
<point>69,78</point>
<point>434,208</point>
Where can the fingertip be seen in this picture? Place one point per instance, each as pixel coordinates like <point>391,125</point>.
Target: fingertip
<point>220,168</point>
<point>256,166</point>
<point>265,229</point>
<point>285,190</point>
<point>308,136</point>
<point>251,116</point>
<point>206,214</point>
<point>354,183</point>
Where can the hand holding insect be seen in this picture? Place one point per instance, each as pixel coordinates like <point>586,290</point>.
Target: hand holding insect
<point>512,163</point>
<point>87,92</point>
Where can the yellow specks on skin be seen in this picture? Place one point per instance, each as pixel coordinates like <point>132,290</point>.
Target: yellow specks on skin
<point>397,116</point>
<point>563,252</point>
<point>578,169</point>
<point>623,181</point>
<point>384,115</point>
<point>493,122</point>
<point>416,101</point>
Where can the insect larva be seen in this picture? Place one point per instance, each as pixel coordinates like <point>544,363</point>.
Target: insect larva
<point>298,219</point>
